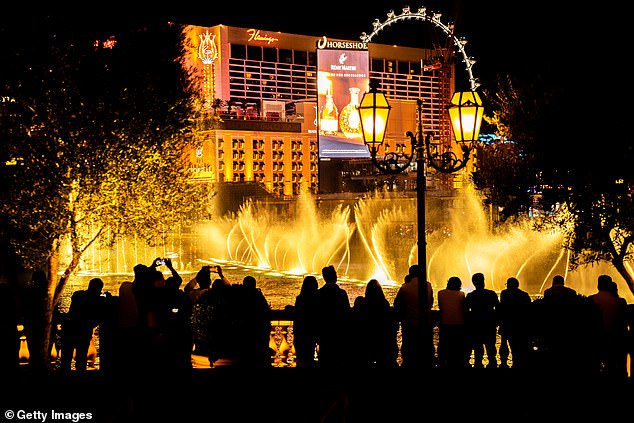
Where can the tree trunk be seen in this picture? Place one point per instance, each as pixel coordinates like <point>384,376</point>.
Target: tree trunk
<point>619,265</point>
<point>61,284</point>
<point>39,358</point>
<point>70,268</point>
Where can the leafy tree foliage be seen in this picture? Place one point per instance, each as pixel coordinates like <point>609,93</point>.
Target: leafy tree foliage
<point>94,128</point>
<point>500,173</point>
<point>580,178</point>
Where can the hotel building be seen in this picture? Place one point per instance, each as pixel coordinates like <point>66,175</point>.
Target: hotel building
<point>264,92</point>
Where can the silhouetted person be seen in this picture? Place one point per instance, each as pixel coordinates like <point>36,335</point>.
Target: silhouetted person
<point>200,283</point>
<point>558,288</point>
<point>612,333</point>
<point>382,347</point>
<point>250,283</point>
<point>195,288</point>
<point>127,345</point>
<point>108,334</point>
<point>239,327</point>
<point>359,336</point>
<point>565,330</point>
<point>417,347</point>
<point>142,288</point>
<point>614,288</point>
<point>179,339</point>
<point>87,310</point>
<point>156,317</point>
<point>256,317</point>
<point>9,334</point>
<point>334,320</point>
<point>158,314</point>
<point>514,325</point>
<point>208,327</point>
<point>452,336</point>
<point>34,304</point>
<point>482,321</point>
<point>305,322</point>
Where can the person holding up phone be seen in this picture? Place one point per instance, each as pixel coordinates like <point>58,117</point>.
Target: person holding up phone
<point>198,284</point>
<point>200,314</point>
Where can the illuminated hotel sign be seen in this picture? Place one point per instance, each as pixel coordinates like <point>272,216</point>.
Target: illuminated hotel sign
<point>256,35</point>
<point>207,51</point>
<point>342,79</point>
<point>325,43</point>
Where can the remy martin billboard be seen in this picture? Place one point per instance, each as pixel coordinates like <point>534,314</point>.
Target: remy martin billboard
<point>342,79</point>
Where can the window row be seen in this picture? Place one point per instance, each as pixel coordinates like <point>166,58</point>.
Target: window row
<point>273,54</point>
<point>254,55</point>
<point>260,155</point>
<point>406,90</point>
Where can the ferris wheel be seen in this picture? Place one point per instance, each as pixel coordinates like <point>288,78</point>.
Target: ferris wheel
<point>433,18</point>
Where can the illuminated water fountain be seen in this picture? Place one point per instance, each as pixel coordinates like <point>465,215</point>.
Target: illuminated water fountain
<point>297,240</point>
<point>376,238</point>
<point>372,237</point>
<point>468,246</point>
<point>460,243</point>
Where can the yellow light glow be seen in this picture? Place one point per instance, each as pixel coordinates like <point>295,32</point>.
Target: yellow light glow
<point>466,113</point>
<point>377,125</point>
<point>374,111</point>
<point>324,84</point>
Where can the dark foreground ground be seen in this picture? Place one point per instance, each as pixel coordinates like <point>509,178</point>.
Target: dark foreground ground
<point>294,395</point>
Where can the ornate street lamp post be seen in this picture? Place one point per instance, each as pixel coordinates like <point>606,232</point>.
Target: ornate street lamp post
<point>465,113</point>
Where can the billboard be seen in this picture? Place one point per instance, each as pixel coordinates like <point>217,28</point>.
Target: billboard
<point>342,79</point>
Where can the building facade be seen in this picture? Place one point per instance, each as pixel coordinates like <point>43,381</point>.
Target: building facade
<point>260,89</point>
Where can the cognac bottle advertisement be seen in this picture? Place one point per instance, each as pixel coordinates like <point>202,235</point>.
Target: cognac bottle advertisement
<point>343,78</point>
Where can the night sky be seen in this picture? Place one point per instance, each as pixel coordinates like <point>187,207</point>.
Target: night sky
<point>520,38</point>
<point>514,37</point>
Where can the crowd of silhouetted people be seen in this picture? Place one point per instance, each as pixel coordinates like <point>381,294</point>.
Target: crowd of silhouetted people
<point>157,322</point>
<point>558,332</point>
<point>165,320</point>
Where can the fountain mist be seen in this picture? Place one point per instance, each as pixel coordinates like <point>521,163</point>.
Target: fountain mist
<point>372,237</point>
